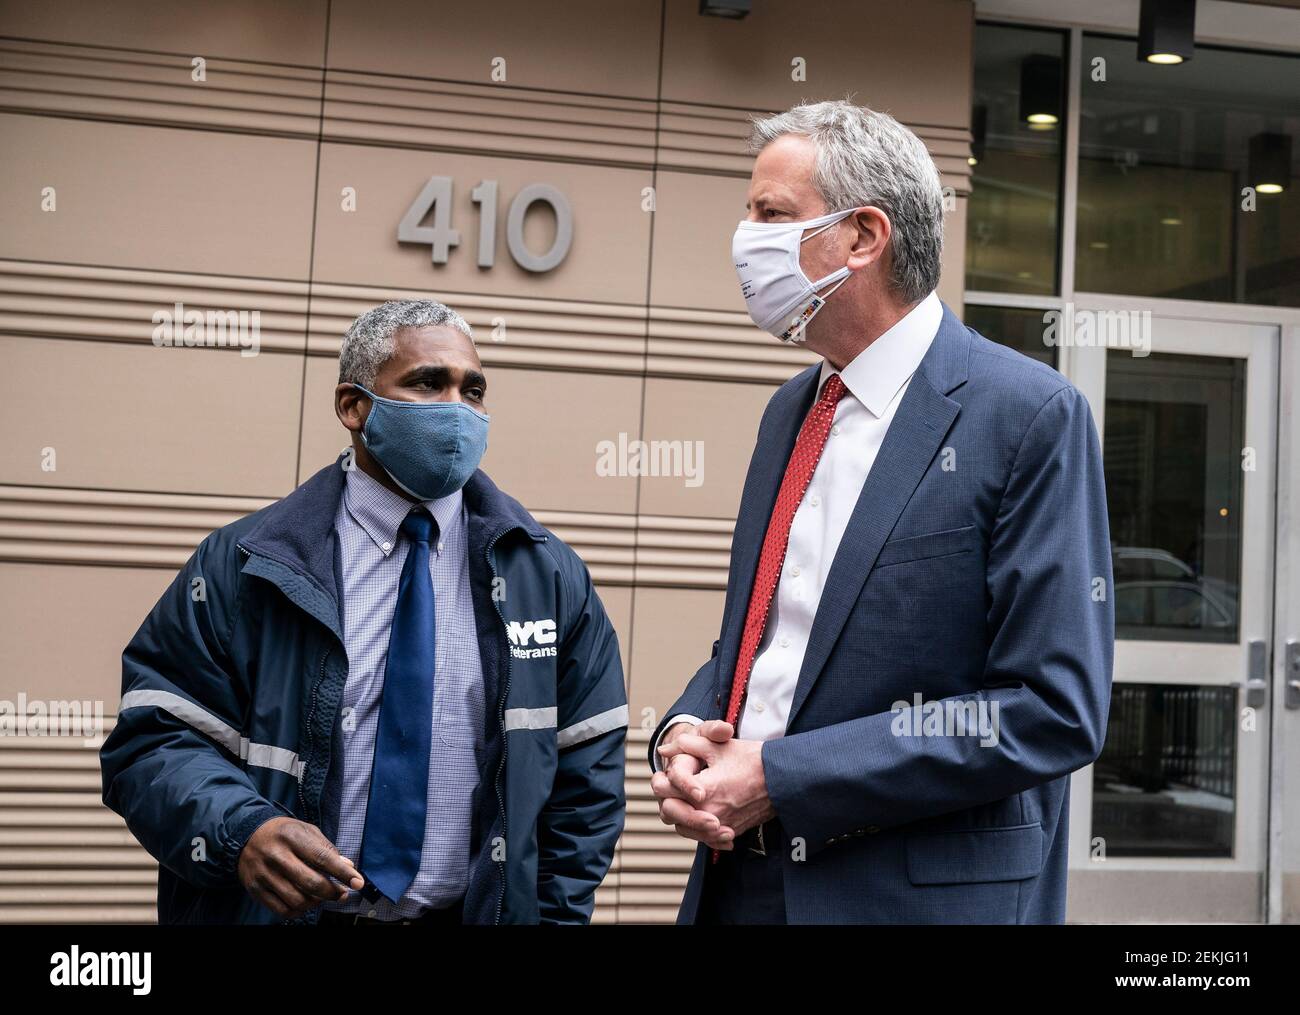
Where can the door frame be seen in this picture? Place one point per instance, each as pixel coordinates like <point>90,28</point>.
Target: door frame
<point>1283,889</point>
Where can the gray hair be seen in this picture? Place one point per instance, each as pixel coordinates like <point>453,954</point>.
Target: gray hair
<point>869,158</point>
<point>369,342</point>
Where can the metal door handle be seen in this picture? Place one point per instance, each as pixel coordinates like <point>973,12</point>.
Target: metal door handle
<point>1257,675</point>
<point>1292,678</point>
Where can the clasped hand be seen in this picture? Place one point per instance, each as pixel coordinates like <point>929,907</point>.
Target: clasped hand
<point>712,788</point>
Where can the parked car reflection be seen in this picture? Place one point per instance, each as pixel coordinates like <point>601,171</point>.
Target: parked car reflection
<point>1157,596</point>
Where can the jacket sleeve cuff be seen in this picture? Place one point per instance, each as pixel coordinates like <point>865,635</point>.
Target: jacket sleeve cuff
<point>242,830</point>
<point>803,813</point>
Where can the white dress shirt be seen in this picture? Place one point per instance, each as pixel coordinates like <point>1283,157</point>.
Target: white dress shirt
<point>876,380</point>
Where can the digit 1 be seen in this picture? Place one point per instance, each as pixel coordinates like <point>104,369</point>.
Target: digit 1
<point>485,196</point>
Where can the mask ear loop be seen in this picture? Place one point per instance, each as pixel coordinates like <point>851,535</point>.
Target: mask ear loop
<point>813,309</point>
<point>827,295</point>
<point>848,274</point>
<point>821,229</point>
<point>373,402</point>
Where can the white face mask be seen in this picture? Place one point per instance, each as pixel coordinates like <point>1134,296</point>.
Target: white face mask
<point>779,296</point>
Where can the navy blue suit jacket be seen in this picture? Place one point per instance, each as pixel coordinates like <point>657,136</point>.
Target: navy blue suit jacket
<point>976,566</point>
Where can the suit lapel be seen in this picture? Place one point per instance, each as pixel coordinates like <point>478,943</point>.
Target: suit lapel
<point>915,436</point>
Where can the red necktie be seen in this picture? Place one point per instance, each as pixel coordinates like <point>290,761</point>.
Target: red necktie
<point>803,461</point>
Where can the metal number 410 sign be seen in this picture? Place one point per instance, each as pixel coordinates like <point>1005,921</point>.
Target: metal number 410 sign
<point>436,198</point>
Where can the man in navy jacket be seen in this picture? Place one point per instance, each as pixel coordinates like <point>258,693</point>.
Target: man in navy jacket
<point>917,638</point>
<point>253,694</point>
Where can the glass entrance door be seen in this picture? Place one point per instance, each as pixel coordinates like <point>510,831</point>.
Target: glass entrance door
<point>1175,810</point>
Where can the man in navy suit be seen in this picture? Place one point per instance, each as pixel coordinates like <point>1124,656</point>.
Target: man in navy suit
<point>917,637</point>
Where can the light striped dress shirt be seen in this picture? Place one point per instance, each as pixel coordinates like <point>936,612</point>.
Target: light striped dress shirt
<point>372,554</point>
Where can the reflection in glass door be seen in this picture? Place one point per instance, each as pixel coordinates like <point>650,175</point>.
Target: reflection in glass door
<point>1174,439</point>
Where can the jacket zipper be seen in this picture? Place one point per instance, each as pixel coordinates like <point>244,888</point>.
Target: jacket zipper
<point>501,717</point>
<point>311,735</point>
<point>501,720</point>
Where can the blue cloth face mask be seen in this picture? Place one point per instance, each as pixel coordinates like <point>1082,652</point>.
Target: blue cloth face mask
<point>430,449</point>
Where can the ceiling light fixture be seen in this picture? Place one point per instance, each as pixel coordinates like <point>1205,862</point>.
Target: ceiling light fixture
<point>1040,91</point>
<point>1270,163</point>
<point>733,9</point>
<point>1166,29</point>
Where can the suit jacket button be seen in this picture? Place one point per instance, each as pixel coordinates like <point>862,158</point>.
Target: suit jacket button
<point>717,700</point>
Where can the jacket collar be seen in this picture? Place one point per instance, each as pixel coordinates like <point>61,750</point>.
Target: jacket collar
<point>875,375</point>
<point>297,531</point>
<point>292,543</point>
<point>498,511</point>
<point>947,364</point>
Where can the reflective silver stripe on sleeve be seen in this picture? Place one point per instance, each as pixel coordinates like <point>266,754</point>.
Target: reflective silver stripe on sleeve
<point>259,755</point>
<point>266,756</point>
<point>531,718</point>
<point>597,725</point>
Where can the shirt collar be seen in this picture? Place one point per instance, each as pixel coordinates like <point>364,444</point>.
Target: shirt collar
<point>875,375</point>
<point>380,511</point>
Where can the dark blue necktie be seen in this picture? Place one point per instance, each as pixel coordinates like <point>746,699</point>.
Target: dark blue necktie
<point>399,780</point>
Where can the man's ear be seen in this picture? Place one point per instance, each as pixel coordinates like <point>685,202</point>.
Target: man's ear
<point>351,406</point>
<point>872,230</point>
